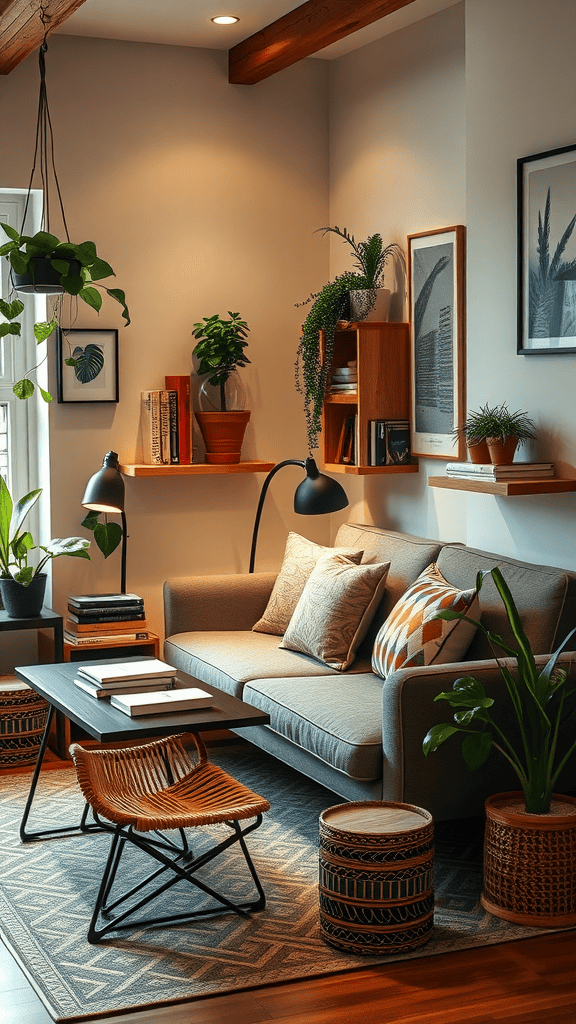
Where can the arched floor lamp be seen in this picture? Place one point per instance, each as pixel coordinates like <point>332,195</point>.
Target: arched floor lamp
<point>317,495</point>
<point>105,493</point>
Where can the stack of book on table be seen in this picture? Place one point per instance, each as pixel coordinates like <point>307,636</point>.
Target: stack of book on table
<point>141,687</point>
<point>94,619</point>
<point>513,471</point>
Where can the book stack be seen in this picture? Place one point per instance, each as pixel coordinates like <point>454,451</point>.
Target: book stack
<point>94,619</point>
<point>166,420</point>
<point>344,379</point>
<point>513,471</point>
<point>389,443</point>
<point>103,680</point>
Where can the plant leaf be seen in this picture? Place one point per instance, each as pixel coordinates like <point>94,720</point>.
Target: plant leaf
<point>475,747</point>
<point>10,231</point>
<point>23,388</point>
<point>91,297</point>
<point>11,309</point>
<point>120,297</point>
<point>100,269</point>
<point>88,362</point>
<point>6,329</point>
<point>67,546</point>
<point>45,394</point>
<point>42,331</point>
<point>436,736</point>
<point>19,261</point>
<point>107,537</point>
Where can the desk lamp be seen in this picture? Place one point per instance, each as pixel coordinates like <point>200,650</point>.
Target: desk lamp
<point>105,493</point>
<point>317,495</point>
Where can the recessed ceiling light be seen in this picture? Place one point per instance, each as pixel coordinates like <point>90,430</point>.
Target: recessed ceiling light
<point>225,19</point>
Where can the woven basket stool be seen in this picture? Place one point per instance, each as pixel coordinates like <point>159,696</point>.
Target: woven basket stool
<point>137,794</point>
<point>376,877</point>
<point>23,717</point>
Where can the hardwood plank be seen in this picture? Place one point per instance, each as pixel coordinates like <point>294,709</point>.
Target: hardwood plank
<point>300,33</point>
<point>506,488</point>
<point>21,30</point>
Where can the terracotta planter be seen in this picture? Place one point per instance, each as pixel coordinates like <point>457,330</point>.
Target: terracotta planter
<point>478,452</point>
<point>529,861</point>
<point>502,451</point>
<point>223,433</point>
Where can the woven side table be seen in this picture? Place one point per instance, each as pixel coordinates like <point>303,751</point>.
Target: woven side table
<point>376,877</point>
<point>23,717</point>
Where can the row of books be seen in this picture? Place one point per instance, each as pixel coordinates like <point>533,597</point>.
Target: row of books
<point>141,688</point>
<point>94,619</point>
<point>166,419</point>
<point>512,471</point>
<point>389,443</point>
<point>344,378</point>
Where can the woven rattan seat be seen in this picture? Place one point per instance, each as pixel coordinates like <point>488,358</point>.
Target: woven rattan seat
<point>138,793</point>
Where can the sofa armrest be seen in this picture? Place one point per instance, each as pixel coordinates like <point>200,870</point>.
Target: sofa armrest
<point>208,603</point>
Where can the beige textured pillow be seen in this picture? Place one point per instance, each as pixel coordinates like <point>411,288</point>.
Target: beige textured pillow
<point>300,557</point>
<point>335,609</point>
<point>413,635</point>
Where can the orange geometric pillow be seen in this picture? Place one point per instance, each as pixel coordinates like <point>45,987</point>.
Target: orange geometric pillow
<point>413,635</point>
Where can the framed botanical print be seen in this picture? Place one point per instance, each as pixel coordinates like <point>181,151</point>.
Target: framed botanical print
<point>546,184</point>
<point>436,283</point>
<point>87,365</point>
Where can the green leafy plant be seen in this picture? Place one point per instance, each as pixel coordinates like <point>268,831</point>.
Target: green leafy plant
<point>496,421</point>
<point>537,698</point>
<point>544,277</point>
<point>80,271</point>
<point>107,536</point>
<point>16,543</point>
<point>220,349</point>
<point>371,256</point>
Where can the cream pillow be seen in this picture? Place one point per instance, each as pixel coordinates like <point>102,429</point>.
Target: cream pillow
<point>335,609</point>
<point>300,557</point>
<point>412,635</point>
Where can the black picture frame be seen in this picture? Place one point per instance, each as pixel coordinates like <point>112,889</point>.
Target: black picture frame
<point>96,352</point>
<point>546,224</point>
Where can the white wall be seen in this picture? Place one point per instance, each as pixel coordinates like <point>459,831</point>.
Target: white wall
<point>426,126</point>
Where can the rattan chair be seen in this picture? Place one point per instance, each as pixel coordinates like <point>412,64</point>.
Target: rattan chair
<point>138,793</point>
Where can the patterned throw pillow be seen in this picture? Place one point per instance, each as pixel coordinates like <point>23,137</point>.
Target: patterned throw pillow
<point>336,607</point>
<point>300,557</point>
<point>412,635</point>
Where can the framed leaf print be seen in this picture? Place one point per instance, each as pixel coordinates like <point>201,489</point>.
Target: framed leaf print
<point>87,365</point>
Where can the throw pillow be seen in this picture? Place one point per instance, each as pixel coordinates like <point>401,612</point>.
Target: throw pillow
<point>335,610</point>
<point>412,635</point>
<point>300,557</point>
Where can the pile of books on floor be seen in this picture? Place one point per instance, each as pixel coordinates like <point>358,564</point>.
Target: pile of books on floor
<point>513,471</point>
<point>344,378</point>
<point>94,619</point>
<point>166,421</point>
<point>141,687</point>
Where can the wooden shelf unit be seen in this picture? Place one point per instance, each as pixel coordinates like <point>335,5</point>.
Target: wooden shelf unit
<point>197,469</point>
<point>382,352</point>
<point>505,488</point>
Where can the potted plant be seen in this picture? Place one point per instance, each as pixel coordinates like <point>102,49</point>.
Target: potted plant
<point>529,834</point>
<point>221,415</point>
<point>42,263</point>
<point>493,433</point>
<point>22,584</point>
<point>331,304</point>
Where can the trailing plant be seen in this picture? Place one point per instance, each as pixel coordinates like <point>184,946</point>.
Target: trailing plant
<point>22,253</point>
<point>220,349</point>
<point>543,278</point>
<point>538,700</point>
<point>498,422</point>
<point>16,544</point>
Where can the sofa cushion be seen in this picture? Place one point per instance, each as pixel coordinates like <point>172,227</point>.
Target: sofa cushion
<point>414,635</point>
<point>337,718</point>
<point>229,659</point>
<point>335,610</point>
<point>300,557</point>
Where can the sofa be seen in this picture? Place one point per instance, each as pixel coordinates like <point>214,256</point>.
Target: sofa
<point>352,731</point>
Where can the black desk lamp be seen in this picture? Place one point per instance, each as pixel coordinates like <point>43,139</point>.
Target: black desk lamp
<point>105,493</point>
<point>317,495</point>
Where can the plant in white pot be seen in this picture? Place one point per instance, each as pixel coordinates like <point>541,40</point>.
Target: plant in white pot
<point>370,300</point>
<point>23,582</point>
<point>221,415</point>
<point>529,834</point>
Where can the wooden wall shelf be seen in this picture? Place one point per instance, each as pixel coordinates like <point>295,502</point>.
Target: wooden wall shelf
<point>341,467</point>
<point>506,488</point>
<point>197,469</point>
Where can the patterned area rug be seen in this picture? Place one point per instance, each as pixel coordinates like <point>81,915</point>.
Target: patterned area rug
<point>47,891</point>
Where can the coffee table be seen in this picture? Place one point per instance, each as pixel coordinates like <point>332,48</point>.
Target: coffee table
<point>107,724</point>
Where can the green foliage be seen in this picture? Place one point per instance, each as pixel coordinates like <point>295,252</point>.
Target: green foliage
<point>21,251</point>
<point>371,255</point>
<point>538,700</point>
<point>106,535</point>
<point>16,543</point>
<point>220,349</point>
<point>496,421</point>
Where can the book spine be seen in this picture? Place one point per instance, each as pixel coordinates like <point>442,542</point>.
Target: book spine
<point>103,638</point>
<point>127,625</point>
<point>398,451</point>
<point>132,612</point>
<point>173,407</point>
<point>96,619</point>
<point>379,456</point>
<point>181,384</point>
<point>150,418</point>
<point>165,426</point>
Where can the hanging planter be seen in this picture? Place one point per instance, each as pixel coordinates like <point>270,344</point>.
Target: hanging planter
<point>42,278</point>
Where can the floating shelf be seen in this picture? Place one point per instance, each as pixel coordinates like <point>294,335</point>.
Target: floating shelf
<point>197,469</point>
<point>342,467</point>
<point>506,488</point>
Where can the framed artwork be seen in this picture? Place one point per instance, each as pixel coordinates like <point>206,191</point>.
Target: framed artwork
<point>546,197</point>
<point>94,377</point>
<point>436,286</point>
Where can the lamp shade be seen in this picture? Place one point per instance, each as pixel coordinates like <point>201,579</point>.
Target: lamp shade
<point>318,494</point>
<point>105,490</point>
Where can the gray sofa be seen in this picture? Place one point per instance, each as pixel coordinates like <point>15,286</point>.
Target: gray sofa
<point>353,732</point>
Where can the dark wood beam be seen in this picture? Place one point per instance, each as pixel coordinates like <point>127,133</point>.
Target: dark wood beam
<point>22,31</point>
<point>300,33</point>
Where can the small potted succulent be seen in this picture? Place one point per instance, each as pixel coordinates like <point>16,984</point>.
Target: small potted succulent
<point>22,584</point>
<point>221,415</point>
<point>493,434</point>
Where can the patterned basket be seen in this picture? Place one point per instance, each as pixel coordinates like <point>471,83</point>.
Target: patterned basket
<point>376,877</point>
<point>530,861</point>
<point>23,717</point>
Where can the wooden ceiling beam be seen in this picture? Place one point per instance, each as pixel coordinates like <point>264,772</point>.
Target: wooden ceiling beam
<point>300,33</point>
<point>21,28</point>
